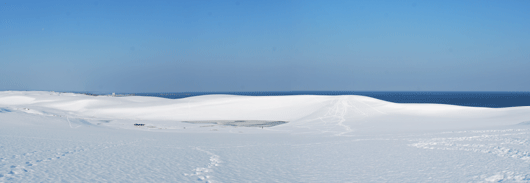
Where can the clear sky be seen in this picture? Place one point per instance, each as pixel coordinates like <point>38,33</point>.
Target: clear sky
<point>175,46</point>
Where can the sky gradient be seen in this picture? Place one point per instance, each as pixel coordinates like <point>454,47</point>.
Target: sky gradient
<point>178,46</point>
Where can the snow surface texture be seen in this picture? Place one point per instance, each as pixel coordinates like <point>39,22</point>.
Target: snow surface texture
<point>65,137</point>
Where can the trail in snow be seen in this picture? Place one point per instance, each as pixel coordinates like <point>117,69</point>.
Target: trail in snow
<point>508,143</point>
<point>69,122</point>
<point>18,164</point>
<point>341,116</point>
<point>337,112</point>
<point>202,173</point>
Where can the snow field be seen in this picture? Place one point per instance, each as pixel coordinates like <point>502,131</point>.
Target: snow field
<point>61,137</point>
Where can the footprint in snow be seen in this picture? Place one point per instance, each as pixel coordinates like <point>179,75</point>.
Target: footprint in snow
<point>201,172</point>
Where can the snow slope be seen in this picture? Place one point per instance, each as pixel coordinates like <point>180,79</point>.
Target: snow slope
<point>52,137</point>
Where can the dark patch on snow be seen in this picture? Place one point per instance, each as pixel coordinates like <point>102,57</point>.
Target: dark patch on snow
<point>243,123</point>
<point>80,121</point>
<point>2,110</point>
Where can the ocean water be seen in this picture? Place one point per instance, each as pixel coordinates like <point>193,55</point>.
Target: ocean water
<point>474,99</point>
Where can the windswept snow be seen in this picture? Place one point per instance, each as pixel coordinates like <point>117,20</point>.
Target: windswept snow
<point>54,137</point>
<point>16,100</point>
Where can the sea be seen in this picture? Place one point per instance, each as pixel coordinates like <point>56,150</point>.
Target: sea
<point>474,99</point>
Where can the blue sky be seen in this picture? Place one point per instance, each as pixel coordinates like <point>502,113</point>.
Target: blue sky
<point>175,46</point>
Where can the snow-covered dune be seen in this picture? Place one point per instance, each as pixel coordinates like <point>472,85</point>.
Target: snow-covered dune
<point>51,137</point>
<point>334,114</point>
